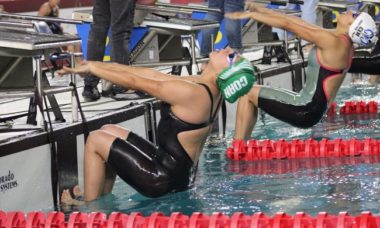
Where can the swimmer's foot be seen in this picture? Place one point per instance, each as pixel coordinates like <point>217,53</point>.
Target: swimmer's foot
<point>66,199</point>
<point>77,192</point>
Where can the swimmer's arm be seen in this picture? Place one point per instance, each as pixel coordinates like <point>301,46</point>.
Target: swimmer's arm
<point>174,91</point>
<point>141,71</point>
<point>254,7</point>
<point>167,90</point>
<point>178,92</point>
<point>118,74</point>
<point>322,38</point>
<point>145,72</point>
<point>152,74</point>
<point>44,10</point>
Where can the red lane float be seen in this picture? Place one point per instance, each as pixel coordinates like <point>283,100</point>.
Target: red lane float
<point>116,219</point>
<point>354,107</point>
<point>35,219</point>
<point>310,148</point>
<point>96,219</point>
<point>179,220</point>
<point>269,167</point>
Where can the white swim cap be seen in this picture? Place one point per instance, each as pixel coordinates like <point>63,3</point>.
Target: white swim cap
<point>363,31</point>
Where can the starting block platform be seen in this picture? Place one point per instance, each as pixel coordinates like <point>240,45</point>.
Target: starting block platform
<point>158,41</point>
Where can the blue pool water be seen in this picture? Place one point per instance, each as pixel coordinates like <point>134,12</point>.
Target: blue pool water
<point>308,185</point>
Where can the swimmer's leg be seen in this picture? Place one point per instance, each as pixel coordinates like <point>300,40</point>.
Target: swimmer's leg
<point>110,173</point>
<point>115,130</point>
<point>110,180</point>
<point>96,153</point>
<point>246,114</point>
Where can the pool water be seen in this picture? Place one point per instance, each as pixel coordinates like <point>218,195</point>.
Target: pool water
<point>308,185</point>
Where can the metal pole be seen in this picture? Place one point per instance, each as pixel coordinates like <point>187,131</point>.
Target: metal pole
<point>286,43</point>
<point>153,122</point>
<point>37,18</point>
<point>37,61</point>
<point>74,103</point>
<point>192,38</point>
<point>148,122</point>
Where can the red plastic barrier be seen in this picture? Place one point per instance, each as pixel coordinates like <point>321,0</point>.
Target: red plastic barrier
<point>135,219</point>
<point>354,107</point>
<point>367,220</point>
<point>15,220</point>
<point>259,219</point>
<point>35,220</point>
<point>96,220</point>
<point>157,220</point>
<point>117,220</point>
<point>3,219</point>
<point>281,219</point>
<point>237,151</point>
<point>332,109</point>
<point>240,220</point>
<point>252,150</point>
<point>280,149</point>
<point>55,219</point>
<point>77,220</point>
<point>178,220</point>
<point>269,167</point>
<point>219,220</point>
<point>310,148</point>
<point>302,220</point>
<point>199,220</point>
<point>344,220</point>
<point>324,220</point>
<point>372,107</point>
<point>196,220</point>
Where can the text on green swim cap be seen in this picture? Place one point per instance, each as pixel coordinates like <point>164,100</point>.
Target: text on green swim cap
<point>236,80</point>
<point>239,66</point>
<point>235,86</point>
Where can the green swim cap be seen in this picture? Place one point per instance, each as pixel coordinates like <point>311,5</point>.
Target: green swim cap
<point>236,80</point>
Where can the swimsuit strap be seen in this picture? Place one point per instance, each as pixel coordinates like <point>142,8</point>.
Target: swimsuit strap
<point>216,112</point>
<point>212,117</point>
<point>345,38</point>
<point>211,98</point>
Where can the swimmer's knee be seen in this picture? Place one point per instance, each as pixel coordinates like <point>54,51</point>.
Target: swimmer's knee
<point>115,130</point>
<point>248,100</point>
<point>108,127</point>
<point>253,95</point>
<point>93,135</point>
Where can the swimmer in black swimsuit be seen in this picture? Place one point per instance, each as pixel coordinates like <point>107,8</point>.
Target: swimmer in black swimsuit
<point>190,105</point>
<point>328,63</point>
<point>51,9</point>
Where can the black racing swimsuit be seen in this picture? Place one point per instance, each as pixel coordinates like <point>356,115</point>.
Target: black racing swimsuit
<point>156,170</point>
<point>55,27</point>
<point>303,109</point>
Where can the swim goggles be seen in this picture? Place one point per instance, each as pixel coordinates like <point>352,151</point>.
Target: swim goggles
<point>232,58</point>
